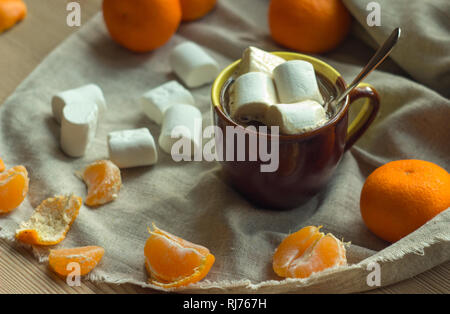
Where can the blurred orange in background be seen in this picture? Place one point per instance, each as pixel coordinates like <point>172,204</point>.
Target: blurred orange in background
<point>312,26</point>
<point>11,12</point>
<point>142,25</point>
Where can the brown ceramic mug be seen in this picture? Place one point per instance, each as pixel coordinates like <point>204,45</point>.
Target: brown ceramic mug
<point>306,161</point>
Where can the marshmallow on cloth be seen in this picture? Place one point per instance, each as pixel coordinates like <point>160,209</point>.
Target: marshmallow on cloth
<point>193,65</point>
<point>296,81</point>
<point>78,127</point>
<point>90,93</point>
<point>257,60</point>
<point>132,148</point>
<point>156,101</point>
<point>251,95</point>
<point>296,118</point>
<point>181,122</point>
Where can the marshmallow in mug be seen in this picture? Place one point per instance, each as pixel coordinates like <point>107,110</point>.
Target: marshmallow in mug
<point>193,65</point>
<point>132,148</point>
<point>251,95</point>
<point>90,93</point>
<point>78,127</point>
<point>181,122</point>
<point>257,60</point>
<point>156,101</point>
<point>296,118</point>
<point>296,81</point>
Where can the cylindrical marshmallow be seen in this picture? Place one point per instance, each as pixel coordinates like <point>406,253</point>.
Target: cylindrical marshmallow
<point>251,95</point>
<point>132,148</point>
<point>78,127</point>
<point>296,118</point>
<point>90,93</point>
<point>296,81</point>
<point>156,101</point>
<point>181,122</point>
<point>257,60</point>
<point>193,65</point>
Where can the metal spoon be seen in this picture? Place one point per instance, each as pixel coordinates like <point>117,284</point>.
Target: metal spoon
<point>380,55</point>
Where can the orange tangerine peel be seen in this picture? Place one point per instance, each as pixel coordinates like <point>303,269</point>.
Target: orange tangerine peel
<point>86,257</point>
<point>13,188</point>
<point>50,221</point>
<point>173,262</point>
<point>306,252</point>
<point>11,12</point>
<point>103,181</point>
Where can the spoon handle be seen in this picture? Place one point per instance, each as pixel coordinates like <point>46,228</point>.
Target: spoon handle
<point>378,58</point>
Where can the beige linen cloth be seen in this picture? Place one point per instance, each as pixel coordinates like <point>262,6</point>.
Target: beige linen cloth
<point>191,199</point>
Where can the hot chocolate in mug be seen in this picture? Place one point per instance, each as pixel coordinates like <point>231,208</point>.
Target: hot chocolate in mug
<point>305,161</point>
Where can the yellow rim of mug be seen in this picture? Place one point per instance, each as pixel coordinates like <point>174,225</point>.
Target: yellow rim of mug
<point>320,67</point>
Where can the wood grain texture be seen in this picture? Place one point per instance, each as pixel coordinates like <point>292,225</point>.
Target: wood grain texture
<point>21,49</point>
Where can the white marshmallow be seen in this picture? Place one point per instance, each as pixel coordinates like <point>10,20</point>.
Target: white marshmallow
<point>181,121</point>
<point>132,148</point>
<point>193,65</point>
<point>257,60</point>
<point>90,93</point>
<point>296,118</point>
<point>156,101</point>
<point>251,95</point>
<point>296,81</point>
<point>78,127</point>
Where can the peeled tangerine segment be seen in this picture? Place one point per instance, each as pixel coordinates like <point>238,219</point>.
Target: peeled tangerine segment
<point>13,188</point>
<point>86,257</point>
<point>103,181</point>
<point>50,221</point>
<point>173,262</point>
<point>306,252</point>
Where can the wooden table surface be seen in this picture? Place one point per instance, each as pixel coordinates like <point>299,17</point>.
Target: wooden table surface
<point>21,49</point>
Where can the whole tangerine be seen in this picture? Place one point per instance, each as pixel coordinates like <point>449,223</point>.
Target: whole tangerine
<point>403,195</point>
<point>142,25</point>
<point>312,26</point>
<point>11,12</point>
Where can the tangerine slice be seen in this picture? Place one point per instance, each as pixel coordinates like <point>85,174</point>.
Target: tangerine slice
<point>13,188</point>
<point>50,221</point>
<point>103,181</point>
<point>2,165</point>
<point>173,262</point>
<point>308,251</point>
<point>87,257</point>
